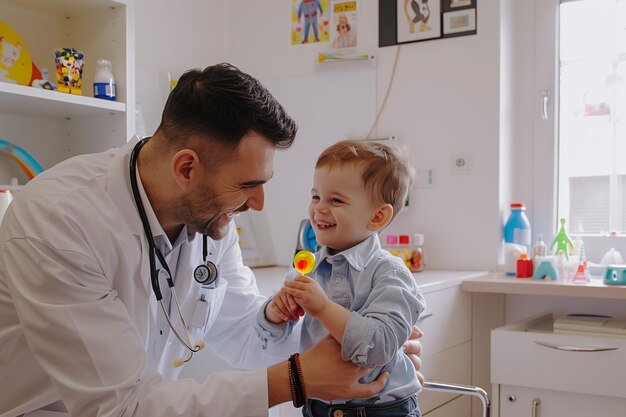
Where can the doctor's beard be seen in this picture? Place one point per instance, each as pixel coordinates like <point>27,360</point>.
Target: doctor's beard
<point>206,215</point>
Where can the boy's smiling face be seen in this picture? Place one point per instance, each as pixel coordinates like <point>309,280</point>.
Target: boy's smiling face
<point>341,210</point>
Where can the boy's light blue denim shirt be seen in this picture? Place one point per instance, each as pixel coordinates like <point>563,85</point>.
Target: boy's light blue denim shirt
<point>385,302</point>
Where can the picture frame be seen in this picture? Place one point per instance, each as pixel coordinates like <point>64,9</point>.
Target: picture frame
<point>459,23</point>
<point>452,5</point>
<point>417,20</point>
<point>397,22</point>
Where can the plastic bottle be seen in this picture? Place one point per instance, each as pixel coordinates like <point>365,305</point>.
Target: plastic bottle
<point>104,81</point>
<point>416,257</point>
<point>540,248</point>
<point>517,228</point>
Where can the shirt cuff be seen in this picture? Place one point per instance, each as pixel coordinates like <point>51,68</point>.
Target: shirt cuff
<point>269,331</point>
<point>357,340</point>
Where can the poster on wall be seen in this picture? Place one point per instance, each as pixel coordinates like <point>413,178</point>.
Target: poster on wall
<point>309,21</point>
<point>459,17</point>
<point>344,17</point>
<point>417,20</point>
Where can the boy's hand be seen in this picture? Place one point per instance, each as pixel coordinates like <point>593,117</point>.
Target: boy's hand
<point>308,294</point>
<point>282,308</point>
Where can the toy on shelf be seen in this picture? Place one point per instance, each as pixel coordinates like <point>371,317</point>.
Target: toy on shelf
<point>562,242</point>
<point>16,65</point>
<point>69,64</point>
<point>23,159</point>
<point>582,272</point>
<point>524,266</point>
<point>546,268</point>
<point>44,82</point>
<point>304,262</point>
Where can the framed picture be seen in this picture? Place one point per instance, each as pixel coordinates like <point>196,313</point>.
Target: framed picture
<point>449,5</point>
<point>460,22</point>
<point>417,20</point>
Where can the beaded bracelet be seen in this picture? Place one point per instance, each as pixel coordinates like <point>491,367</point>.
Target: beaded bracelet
<point>296,380</point>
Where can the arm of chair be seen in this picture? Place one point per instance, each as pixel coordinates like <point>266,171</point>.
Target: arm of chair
<point>463,390</point>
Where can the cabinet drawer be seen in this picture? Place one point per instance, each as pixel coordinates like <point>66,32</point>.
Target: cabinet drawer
<point>452,366</point>
<point>529,354</point>
<point>446,322</point>
<point>520,402</point>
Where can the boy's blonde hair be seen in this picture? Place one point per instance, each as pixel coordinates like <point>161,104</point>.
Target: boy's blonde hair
<point>386,173</point>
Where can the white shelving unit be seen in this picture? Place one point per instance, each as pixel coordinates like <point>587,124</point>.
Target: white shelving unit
<point>53,126</point>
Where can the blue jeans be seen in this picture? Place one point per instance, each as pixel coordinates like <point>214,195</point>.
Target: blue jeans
<point>406,407</point>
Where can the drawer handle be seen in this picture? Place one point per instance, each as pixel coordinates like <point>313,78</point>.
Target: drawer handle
<point>424,317</point>
<point>536,403</point>
<point>575,348</point>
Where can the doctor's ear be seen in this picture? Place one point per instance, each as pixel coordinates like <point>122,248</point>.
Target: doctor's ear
<point>185,166</point>
<point>381,218</point>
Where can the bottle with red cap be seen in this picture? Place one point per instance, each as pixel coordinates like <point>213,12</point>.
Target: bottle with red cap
<point>517,228</point>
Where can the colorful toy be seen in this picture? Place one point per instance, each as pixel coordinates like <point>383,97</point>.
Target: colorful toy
<point>524,266</point>
<point>44,82</point>
<point>546,269</point>
<point>563,242</point>
<point>16,66</point>
<point>69,63</point>
<point>304,262</point>
<point>23,159</point>
<point>582,272</point>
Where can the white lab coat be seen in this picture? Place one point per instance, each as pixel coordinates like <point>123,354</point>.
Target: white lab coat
<point>77,312</point>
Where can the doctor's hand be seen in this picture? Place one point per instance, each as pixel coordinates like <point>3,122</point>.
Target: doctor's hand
<point>328,377</point>
<point>413,348</point>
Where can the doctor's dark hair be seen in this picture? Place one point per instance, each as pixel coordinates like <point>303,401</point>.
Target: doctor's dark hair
<point>386,174</point>
<point>224,104</point>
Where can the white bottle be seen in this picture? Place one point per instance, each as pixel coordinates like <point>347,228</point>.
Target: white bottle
<point>104,81</point>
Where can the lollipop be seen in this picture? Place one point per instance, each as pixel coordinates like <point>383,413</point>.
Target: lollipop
<point>304,262</point>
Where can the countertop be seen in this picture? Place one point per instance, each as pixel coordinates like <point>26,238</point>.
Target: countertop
<point>270,279</point>
<point>501,283</point>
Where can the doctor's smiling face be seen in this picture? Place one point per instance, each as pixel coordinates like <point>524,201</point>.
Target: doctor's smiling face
<point>228,188</point>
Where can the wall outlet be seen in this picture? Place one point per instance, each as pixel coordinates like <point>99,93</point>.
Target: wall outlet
<point>460,162</point>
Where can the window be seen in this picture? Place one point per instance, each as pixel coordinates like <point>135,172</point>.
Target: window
<point>591,131</point>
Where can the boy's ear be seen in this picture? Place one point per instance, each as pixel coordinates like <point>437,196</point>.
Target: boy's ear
<point>381,218</point>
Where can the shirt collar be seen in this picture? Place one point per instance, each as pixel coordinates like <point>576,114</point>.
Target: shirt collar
<point>357,256</point>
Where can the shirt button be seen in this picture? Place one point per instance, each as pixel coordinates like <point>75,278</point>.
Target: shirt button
<point>337,413</point>
<point>337,280</point>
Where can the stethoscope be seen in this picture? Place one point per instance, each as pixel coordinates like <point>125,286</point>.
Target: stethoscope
<point>205,273</point>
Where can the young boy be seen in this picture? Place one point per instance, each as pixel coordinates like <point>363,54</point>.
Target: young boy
<point>363,296</point>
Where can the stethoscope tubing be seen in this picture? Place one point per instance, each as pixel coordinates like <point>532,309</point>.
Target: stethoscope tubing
<point>155,253</point>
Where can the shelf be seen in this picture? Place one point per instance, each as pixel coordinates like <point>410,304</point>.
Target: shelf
<point>502,284</point>
<point>23,100</point>
<point>64,8</point>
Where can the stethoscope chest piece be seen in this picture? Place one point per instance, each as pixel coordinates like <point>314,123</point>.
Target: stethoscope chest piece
<point>205,274</point>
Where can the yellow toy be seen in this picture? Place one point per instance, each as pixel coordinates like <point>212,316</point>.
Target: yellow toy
<point>69,63</point>
<point>16,66</point>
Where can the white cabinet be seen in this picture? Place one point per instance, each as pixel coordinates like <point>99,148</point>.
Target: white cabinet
<point>446,348</point>
<point>53,126</point>
<point>536,372</point>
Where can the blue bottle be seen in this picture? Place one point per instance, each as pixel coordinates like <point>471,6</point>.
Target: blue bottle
<point>517,228</point>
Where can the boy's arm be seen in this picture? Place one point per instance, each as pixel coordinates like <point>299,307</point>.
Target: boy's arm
<point>374,335</point>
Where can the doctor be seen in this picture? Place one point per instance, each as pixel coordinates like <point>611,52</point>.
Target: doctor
<point>116,267</point>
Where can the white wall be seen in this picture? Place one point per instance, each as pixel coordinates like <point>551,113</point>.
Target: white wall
<point>444,102</point>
